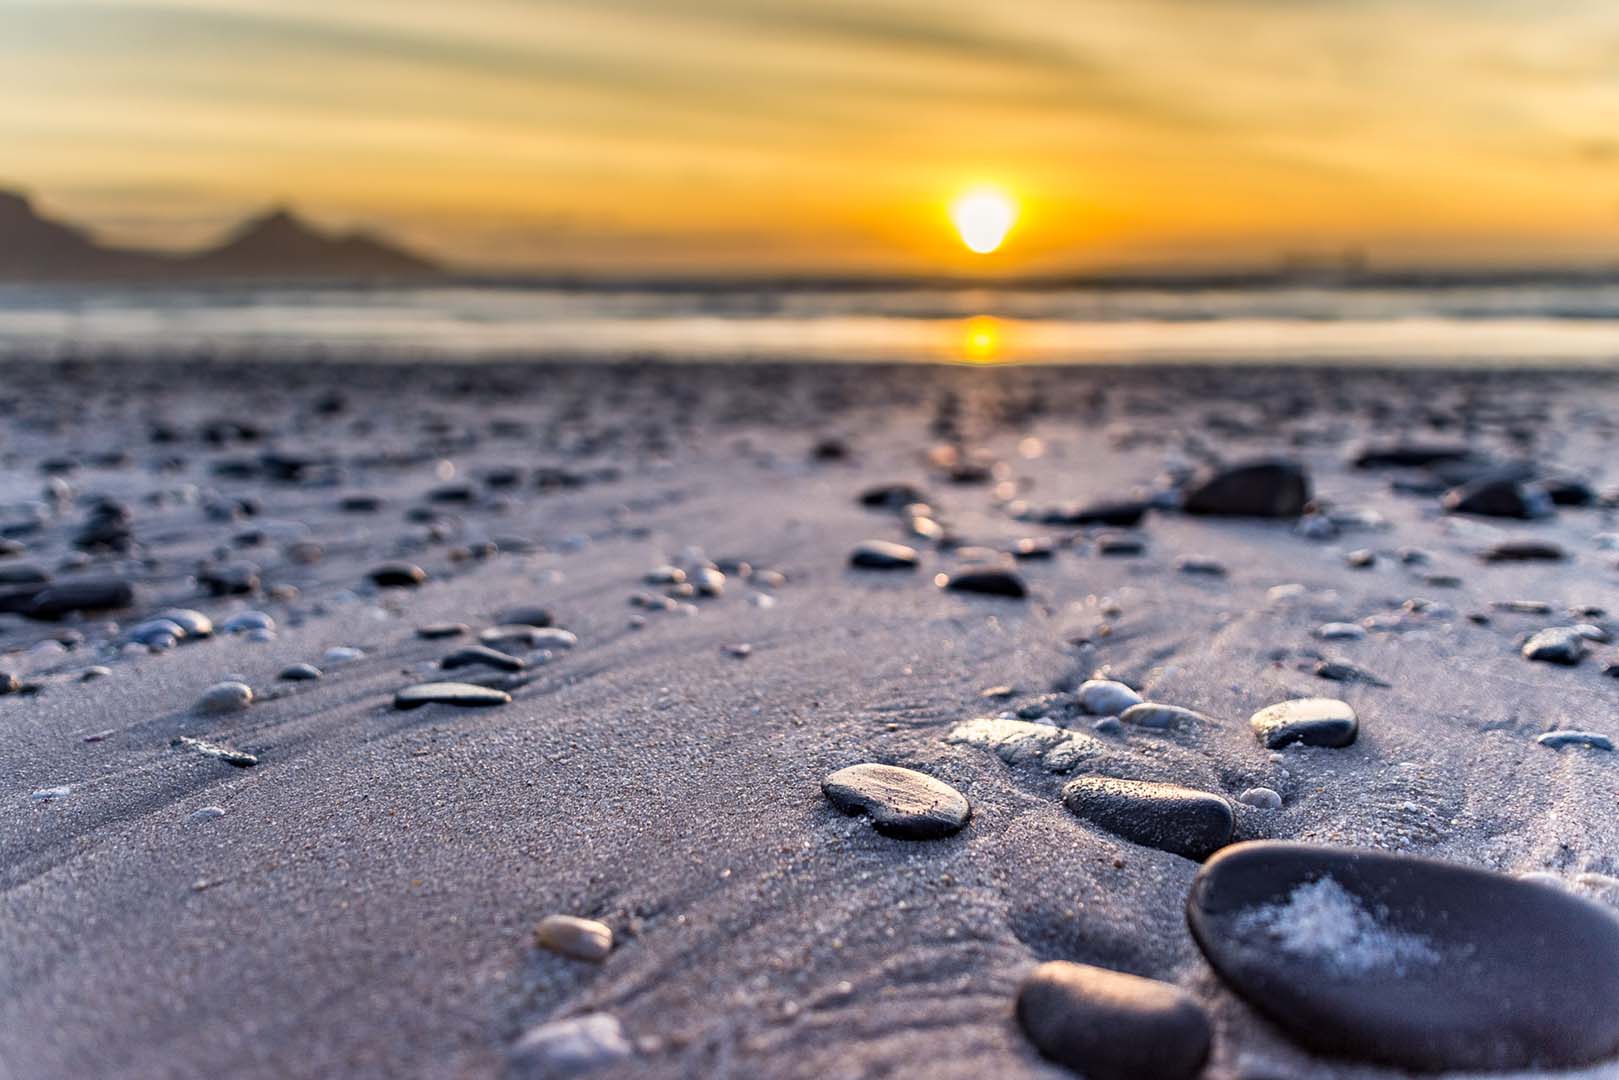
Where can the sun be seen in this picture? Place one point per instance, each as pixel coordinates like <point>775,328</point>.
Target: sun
<point>983,217</point>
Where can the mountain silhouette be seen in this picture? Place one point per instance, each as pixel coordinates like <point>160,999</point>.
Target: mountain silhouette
<point>276,245</point>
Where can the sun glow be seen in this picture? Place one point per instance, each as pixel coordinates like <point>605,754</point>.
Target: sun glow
<point>983,217</point>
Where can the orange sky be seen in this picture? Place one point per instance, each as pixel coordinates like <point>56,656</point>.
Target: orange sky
<point>718,135</point>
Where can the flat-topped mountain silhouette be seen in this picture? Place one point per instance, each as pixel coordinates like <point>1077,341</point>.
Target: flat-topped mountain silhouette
<point>275,245</point>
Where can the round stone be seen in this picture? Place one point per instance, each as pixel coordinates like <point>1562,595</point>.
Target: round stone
<point>1182,821</point>
<point>1104,697</point>
<point>300,673</point>
<point>1411,962</point>
<point>225,697</point>
<point>194,623</point>
<point>1107,1025</point>
<point>243,621</point>
<point>1261,798</point>
<point>467,695</point>
<point>582,939</point>
<point>883,555</point>
<point>1310,721</point>
<point>900,802</point>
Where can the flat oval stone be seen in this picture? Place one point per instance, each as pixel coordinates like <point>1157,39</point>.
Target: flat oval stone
<point>527,615</point>
<point>579,1044</point>
<point>467,695</point>
<point>569,935</point>
<point>1411,962</point>
<point>986,581</point>
<point>398,575</point>
<point>1151,714</point>
<point>1559,739</point>
<point>482,654</point>
<point>1310,721</point>
<point>299,673</point>
<point>436,631</point>
<point>900,802</point>
<point>1182,821</point>
<point>195,623</point>
<point>883,555</point>
<point>1107,1025</point>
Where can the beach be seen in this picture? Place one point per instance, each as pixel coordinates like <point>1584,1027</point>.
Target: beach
<point>361,898</point>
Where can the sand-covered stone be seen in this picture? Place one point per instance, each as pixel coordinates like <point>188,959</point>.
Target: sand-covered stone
<point>900,802</point>
<point>1411,962</point>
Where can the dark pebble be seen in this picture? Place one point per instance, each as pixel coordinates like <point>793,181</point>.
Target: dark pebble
<point>1411,962</point>
<point>1253,489</point>
<point>1107,1025</point>
<point>300,673</point>
<point>985,580</point>
<point>524,616</point>
<point>892,496</point>
<point>883,555</point>
<point>436,631</point>
<point>1179,820</point>
<point>1523,551</point>
<point>467,695</point>
<point>482,654</point>
<point>1497,497</point>
<point>1310,721</point>
<point>1409,455</point>
<point>398,575</point>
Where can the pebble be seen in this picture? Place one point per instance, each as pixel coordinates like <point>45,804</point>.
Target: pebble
<point>892,496</point>
<point>342,654</point>
<point>1179,820</point>
<point>1523,551</point>
<point>986,581</point>
<point>1104,697</point>
<point>1361,559</point>
<point>194,623</point>
<point>1556,645</point>
<point>883,555</point>
<point>1340,631</point>
<point>468,695</point>
<point>1198,564</point>
<point>1308,721</point>
<point>1410,962</point>
<point>64,598</point>
<point>1107,1025</point>
<point>157,633</point>
<point>299,673</point>
<point>482,654</point>
<point>1261,798</point>
<point>1497,497</point>
<point>1343,671</point>
<point>1113,543</point>
<point>524,616</point>
<point>397,575</point>
<point>1559,739</point>
<point>1161,717</point>
<point>564,1048</point>
<point>243,621</point>
<point>902,803</point>
<point>51,794</point>
<point>582,939</point>
<point>225,697</point>
<point>206,813</point>
<point>1277,489</point>
<point>437,631</point>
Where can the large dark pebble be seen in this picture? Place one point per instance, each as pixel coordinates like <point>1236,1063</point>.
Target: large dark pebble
<point>1107,1025</point>
<point>482,655</point>
<point>54,601</point>
<point>1411,962</point>
<point>1411,455</point>
<point>986,580</point>
<point>1498,496</point>
<point>1182,821</point>
<point>1252,489</point>
<point>398,575</point>
<point>1523,551</point>
<point>882,555</point>
<point>1309,721</point>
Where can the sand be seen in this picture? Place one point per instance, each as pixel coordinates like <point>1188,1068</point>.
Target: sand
<point>365,906</point>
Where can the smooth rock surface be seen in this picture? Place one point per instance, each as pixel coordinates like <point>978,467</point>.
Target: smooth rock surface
<point>1309,721</point>
<point>569,935</point>
<point>1182,821</point>
<point>467,695</point>
<point>1410,962</point>
<point>1273,489</point>
<point>1108,1025</point>
<point>883,555</point>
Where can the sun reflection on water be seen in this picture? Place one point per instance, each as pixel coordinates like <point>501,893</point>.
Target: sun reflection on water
<point>982,340</point>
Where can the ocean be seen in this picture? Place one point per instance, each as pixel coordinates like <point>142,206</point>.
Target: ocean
<point>1555,322</point>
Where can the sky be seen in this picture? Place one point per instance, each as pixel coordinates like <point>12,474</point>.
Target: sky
<point>789,136</point>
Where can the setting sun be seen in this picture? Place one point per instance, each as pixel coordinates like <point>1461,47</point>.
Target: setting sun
<point>983,217</point>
